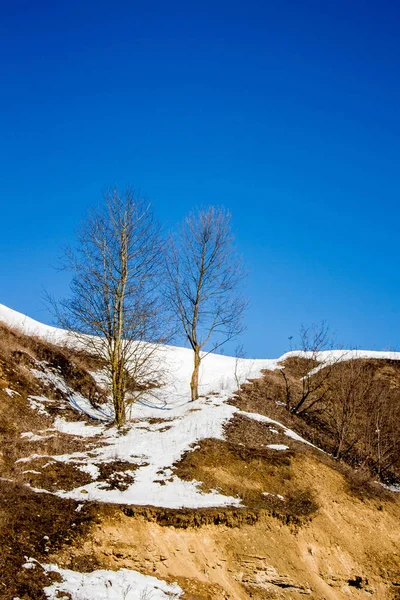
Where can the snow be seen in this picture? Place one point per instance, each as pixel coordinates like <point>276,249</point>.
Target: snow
<point>78,428</point>
<point>38,403</point>
<point>106,585</point>
<point>31,457</point>
<point>154,449</point>
<point>29,326</point>
<point>391,488</point>
<point>10,392</point>
<point>278,447</point>
<point>288,432</point>
<point>331,357</point>
<point>275,495</point>
<point>51,377</point>
<point>36,437</point>
<point>91,469</point>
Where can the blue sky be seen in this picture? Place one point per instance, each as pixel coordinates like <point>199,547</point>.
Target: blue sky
<point>285,112</point>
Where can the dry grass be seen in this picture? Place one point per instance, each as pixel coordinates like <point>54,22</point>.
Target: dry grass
<point>267,396</point>
<point>19,353</point>
<point>33,525</point>
<point>257,475</point>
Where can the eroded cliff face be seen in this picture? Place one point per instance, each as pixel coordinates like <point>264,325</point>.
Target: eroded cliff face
<point>349,548</point>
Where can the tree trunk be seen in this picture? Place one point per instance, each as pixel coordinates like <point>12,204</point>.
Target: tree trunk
<point>194,383</point>
<point>119,408</point>
<point>118,389</point>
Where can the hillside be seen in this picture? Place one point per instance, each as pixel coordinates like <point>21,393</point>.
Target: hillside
<point>231,496</point>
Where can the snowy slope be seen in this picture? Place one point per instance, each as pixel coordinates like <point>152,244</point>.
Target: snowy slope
<point>29,326</point>
<point>218,373</point>
<point>163,426</point>
<point>181,357</point>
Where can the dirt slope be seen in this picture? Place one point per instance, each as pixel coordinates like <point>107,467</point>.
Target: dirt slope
<point>348,548</point>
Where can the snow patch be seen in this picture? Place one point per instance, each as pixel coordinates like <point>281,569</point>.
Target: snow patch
<point>106,585</point>
<point>288,432</point>
<point>78,428</point>
<point>91,469</point>
<point>10,392</point>
<point>275,495</point>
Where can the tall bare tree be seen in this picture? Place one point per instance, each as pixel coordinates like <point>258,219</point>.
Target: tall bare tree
<point>113,304</point>
<point>205,275</point>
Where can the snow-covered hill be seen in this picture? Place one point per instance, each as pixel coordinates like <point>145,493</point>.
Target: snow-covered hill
<point>162,426</point>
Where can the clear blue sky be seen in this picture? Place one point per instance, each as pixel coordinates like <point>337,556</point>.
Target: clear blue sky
<point>286,112</point>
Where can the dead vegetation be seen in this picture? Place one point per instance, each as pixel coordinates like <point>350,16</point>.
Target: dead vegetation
<point>19,353</point>
<point>260,476</point>
<point>26,431</point>
<point>354,416</point>
<point>34,525</point>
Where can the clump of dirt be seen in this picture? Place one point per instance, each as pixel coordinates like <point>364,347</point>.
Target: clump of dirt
<point>155,420</point>
<point>52,475</point>
<point>117,475</point>
<point>185,518</point>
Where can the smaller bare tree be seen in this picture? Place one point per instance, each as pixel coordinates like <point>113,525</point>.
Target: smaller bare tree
<point>352,387</point>
<point>240,356</point>
<point>204,276</point>
<point>380,436</point>
<point>306,396</point>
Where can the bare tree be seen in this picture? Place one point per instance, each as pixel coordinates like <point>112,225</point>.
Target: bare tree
<point>307,395</point>
<point>380,435</point>
<point>352,388</point>
<point>204,276</point>
<point>113,304</point>
<point>362,413</point>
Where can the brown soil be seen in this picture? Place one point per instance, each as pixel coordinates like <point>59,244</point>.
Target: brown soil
<point>116,475</point>
<point>350,547</point>
<point>256,476</point>
<point>322,540</point>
